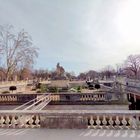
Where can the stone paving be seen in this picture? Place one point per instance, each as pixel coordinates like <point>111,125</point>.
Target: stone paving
<point>74,107</point>
<point>68,134</point>
<point>87,107</point>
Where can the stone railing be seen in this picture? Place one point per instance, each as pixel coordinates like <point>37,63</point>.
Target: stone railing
<point>93,97</point>
<point>99,119</point>
<point>63,98</point>
<point>113,119</point>
<point>19,119</point>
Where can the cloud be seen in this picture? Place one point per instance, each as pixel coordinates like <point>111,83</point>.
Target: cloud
<point>80,34</point>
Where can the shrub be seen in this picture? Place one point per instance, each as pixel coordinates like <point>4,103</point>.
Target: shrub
<point>12,88</point>
<point>34,89</point>
<point>78,89</point>
<point>97,86</point>
<point>53,89</point>
<point>29,85</point>
<point>5,92</point>
<point>38,85</point>
<point>38,91</point>
<point>43,88</point>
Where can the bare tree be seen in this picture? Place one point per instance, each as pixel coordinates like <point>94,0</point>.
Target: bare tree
<point>25,74</point>
<point>132,64</point>
<point>119,69</point>
<point>17,50</point>
<point>82,76</point>
<point>108,72</point>
<point>41,74</point>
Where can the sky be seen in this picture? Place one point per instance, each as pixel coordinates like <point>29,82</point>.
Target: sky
<point>80,34</point>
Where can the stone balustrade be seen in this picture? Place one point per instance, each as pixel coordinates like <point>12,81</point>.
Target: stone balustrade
<point>118,121</point>
<point>93,97</point>
<point>8,119</point>
<point>99,119</point>
<point>63,98</point>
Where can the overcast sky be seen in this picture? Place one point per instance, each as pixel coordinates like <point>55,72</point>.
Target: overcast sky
<point>80,34</point>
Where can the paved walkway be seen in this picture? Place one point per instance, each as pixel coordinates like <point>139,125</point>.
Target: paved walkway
<point>74,107</point>
<point>86,107</point>
<point>68,134</point>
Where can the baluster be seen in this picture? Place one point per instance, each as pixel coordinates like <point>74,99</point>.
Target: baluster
<point>13,122</point>
<point>55,98</point>
<point>91,121</point>
<point>92,98</point>
<point>111,122</point>
<point>31,122</point>
<point>58,97</point>
<point>89,97</point>
<point>124,122</point>
<point>21,121</point>
<point>132,122</point>
<point>104,121</point>
<point>10,98</point>
<point>103,97</point>
<point>37,121</point>
<point>26,121</point>
<point>117,121</point>
<point>2,120</point>
<point>95,98</point>
<point>7,121</point>
<point>98,122</point>
<point>5,98</point>
<point>84,98</point>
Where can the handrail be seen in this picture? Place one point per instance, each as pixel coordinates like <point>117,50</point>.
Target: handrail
<point>28,107</point>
